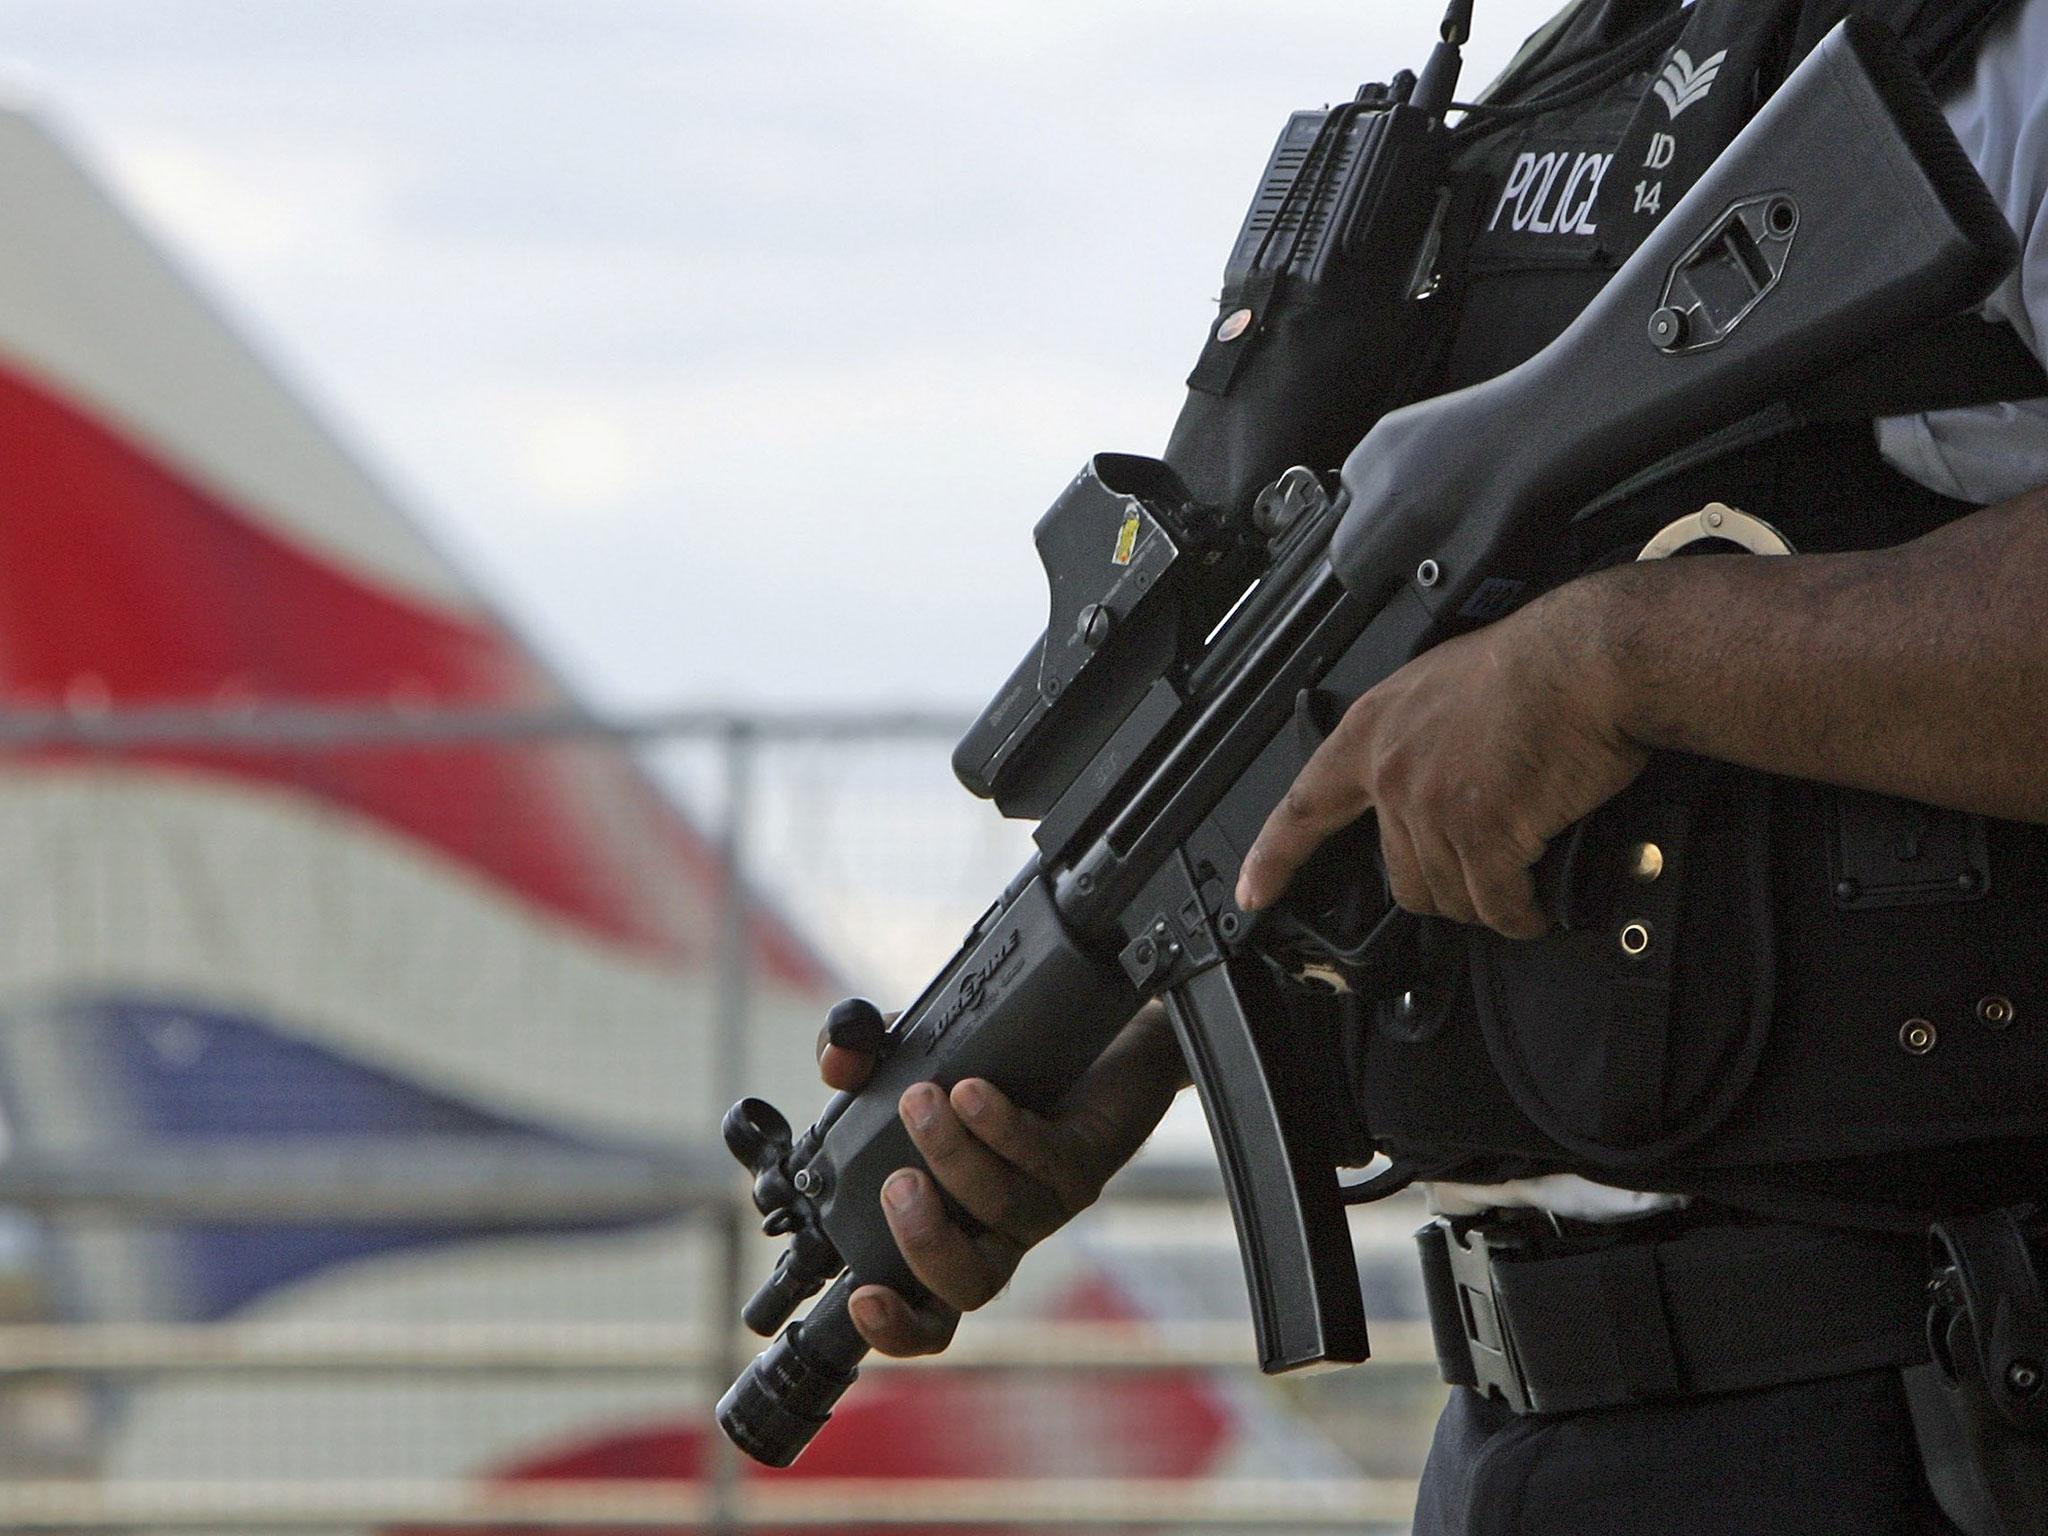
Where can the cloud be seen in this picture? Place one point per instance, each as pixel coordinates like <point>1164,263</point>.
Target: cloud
<point>245,206</point>
<point>705,331</point>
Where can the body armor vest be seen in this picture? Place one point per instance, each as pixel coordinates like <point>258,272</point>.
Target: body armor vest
<point>1801,999</point>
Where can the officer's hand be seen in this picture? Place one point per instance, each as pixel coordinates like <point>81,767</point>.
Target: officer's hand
<point>1020,1175</point>
<point>1474,756</point>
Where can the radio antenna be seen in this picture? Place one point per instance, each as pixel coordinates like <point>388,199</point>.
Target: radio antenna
<point>1440,75</point>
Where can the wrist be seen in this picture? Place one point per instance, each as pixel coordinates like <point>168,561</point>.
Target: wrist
<point>1599,625</point>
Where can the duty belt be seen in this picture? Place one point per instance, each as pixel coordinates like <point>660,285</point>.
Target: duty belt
<point>1549,1325</point>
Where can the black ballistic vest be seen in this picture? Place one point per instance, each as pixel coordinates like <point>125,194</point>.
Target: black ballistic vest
<point>1842,1008</point>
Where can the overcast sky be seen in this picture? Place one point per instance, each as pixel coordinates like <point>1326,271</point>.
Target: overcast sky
<point>733,348</point>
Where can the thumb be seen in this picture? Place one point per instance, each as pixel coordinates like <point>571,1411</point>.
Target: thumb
<point>849,1042</point>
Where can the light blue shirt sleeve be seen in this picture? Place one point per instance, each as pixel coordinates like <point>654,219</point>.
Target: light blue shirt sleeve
<point>1992,453</point>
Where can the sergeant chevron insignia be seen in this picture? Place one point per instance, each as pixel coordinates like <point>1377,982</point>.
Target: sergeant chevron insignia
<point>1684,82</point>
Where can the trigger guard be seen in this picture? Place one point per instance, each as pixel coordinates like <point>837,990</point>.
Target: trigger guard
<point>1383,964</point>
<point>1307,951</point>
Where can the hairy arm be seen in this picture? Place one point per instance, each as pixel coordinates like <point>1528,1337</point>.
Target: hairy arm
<point>1920,670</point>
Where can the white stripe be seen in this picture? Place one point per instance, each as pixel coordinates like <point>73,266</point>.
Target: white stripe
<point>290,911</point>
<point>89,306</point>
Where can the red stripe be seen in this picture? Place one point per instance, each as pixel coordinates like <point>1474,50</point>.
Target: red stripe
<point>125,581</point>
<point>1169,1424</point>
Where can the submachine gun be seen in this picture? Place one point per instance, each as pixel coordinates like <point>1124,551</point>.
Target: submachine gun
<point>1195,650</point>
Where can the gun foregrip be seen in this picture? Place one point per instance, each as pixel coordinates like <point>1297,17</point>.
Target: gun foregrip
<point>1022,1004</point>
<point>1277,1170</point>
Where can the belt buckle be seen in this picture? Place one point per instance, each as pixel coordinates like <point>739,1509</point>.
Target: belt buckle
<point>1496,1370</point>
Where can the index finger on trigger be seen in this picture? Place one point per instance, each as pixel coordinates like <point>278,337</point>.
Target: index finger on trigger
<point>1326,796</point>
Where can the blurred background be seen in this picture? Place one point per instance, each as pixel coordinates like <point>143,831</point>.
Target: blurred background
<point>507,505</point>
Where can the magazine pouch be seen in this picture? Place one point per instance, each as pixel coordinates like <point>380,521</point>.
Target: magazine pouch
<point>1633,1029</point>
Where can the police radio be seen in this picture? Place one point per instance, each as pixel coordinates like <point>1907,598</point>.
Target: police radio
<point>1326,288</point>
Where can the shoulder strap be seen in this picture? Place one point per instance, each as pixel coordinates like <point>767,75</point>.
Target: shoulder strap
<point>1537,53</point>
<point>1943,36</point>
<point>1576,42</point>
<point>1940,35</point>
<point>1959,361</point>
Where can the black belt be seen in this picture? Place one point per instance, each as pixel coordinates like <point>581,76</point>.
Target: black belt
<point>1552,1326</point>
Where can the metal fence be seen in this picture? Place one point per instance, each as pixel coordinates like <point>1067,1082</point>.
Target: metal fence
<point>341,1191</point>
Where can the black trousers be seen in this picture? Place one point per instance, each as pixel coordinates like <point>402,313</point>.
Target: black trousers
<point>1823,1458</point>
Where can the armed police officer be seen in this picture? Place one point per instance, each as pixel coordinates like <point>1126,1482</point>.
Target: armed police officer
<point>1823,956</point>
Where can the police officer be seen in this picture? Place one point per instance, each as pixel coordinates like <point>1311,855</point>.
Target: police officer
<point>1726,1334</point>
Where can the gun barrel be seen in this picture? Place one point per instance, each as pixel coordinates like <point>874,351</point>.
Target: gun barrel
<point>781,1401</point>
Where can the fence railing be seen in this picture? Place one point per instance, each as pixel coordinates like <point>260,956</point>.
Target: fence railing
<point>580,1349</point>
<point>376,1182</point>
<point>842,1504</point>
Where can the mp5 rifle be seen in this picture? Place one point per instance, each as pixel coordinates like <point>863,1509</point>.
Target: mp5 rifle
<point>1196,650</point>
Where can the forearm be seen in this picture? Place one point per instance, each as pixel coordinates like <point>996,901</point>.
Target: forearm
<point>1919,671</point>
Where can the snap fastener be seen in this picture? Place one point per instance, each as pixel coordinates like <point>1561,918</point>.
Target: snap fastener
<point>1234,325</point>
<point>1646,862</point>
<point>1917,1037</point>
<point>1996,1012</point>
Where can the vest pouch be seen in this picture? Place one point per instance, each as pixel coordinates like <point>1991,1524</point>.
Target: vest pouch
<point>1300,386</point>
<point>1632,1032</point>
<point>1327,292</point>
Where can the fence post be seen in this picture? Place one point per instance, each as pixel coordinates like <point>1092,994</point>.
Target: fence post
<point>735,987</point>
